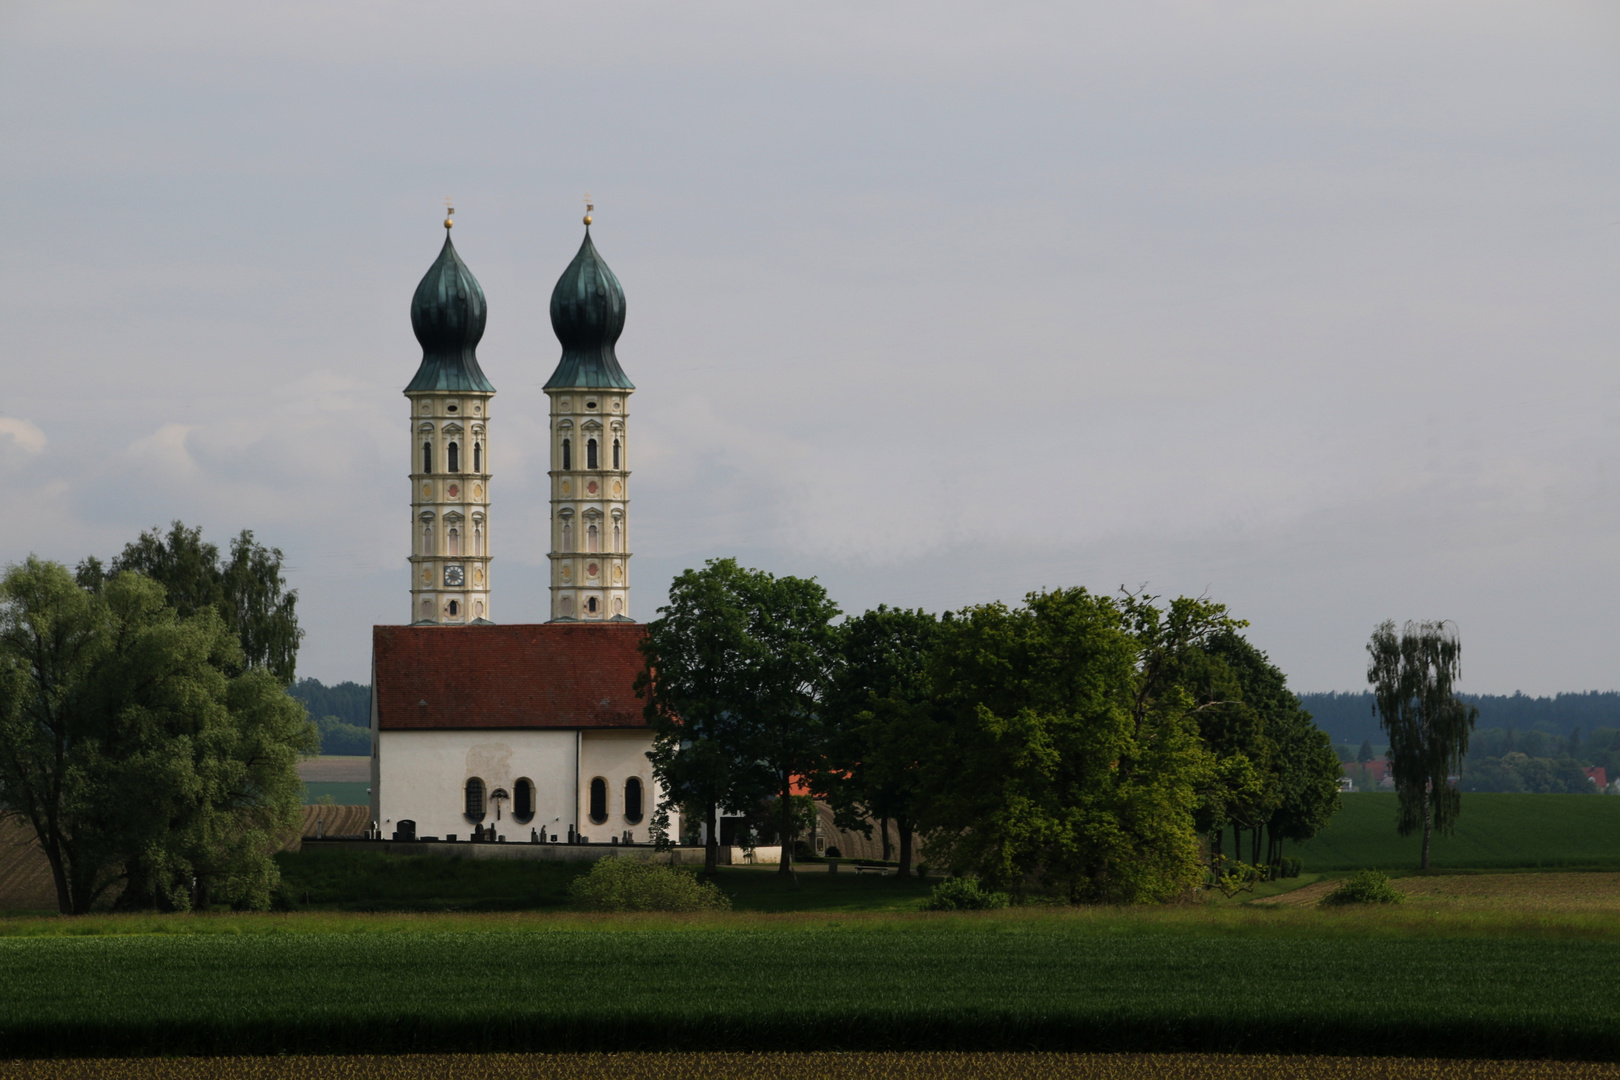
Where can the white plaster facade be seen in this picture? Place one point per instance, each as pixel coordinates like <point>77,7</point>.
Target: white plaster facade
<point>450,545</point>
<point>590,503</point>
<point>422,776</point>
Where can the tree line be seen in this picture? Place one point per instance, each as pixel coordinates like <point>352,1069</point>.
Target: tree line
<point>146,733</point>
<point>1095,748</point>
<point>1352,717</point>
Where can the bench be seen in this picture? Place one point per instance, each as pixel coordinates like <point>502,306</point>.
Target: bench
<point>880,870</point>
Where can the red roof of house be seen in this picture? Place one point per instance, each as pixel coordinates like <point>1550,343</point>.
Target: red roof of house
<point>552,675</point>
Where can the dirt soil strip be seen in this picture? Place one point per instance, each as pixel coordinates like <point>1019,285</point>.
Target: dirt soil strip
<point>335,770</point>
<point>1545,891</point>
<point>818,1066</point>
<point>25,875</point>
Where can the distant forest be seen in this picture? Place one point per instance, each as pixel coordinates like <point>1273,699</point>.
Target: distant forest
<point>1350,718</point>
<point>342,712</point>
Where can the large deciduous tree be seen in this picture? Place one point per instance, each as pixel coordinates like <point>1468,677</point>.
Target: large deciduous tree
<point>878,715</point>
<point>138,744</point>
<point>1060,757</point>
<point>247,589</point>
<point>738,663</point>
<point>1413,674</point>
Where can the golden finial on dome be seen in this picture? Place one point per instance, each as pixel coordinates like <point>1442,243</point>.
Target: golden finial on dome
<point>449,212</point>
<point>589,206</point>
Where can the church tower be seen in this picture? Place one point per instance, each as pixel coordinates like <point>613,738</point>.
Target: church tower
<point>590,453</point>
<point>449,442</point>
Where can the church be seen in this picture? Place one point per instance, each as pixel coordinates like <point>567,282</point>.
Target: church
<point>514,732</point>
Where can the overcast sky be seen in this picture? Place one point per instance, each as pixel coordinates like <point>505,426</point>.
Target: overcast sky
<point>1311,308</point>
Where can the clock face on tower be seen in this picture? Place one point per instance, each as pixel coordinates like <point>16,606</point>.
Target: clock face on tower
<point>452,577</point>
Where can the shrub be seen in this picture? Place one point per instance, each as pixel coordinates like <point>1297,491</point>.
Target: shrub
<point>963,894</point>
<point>1288,866</point>
<point>1364,887</point>
<point>834,853</point>
<point>622,885</point>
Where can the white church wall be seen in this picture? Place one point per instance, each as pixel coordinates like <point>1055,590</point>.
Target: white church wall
<point>422,777</point>
<point>616,756</point>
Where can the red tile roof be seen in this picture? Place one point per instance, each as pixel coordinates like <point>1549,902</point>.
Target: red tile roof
<point>553,675</point>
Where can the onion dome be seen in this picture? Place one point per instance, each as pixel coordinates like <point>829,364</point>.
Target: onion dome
<point>447,314</point>
<point>587,315</point>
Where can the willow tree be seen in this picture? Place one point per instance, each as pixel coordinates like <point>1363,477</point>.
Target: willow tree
<point>1413,674</point>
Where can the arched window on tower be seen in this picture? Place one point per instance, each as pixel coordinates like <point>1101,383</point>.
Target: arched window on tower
<point>427,539</point>
<point>618,538</point>
<point>452,458</point>
<point>478,457</point>
<point>453,540</point>
<point>455,608</point>
<point>568,536</point>
<point>427,610</point>
<point>478,540</point>
<point>590,453</point>
<point>427,457</point>
<point>615,453</point>
<point>590,537</point>
<point>590,605</point>
<point>568,454</point>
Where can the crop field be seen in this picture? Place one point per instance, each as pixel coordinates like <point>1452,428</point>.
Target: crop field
<point>1195,980</point>
<point>1551,892</point>
<point>809,1066</point>
<point>1494,832</point>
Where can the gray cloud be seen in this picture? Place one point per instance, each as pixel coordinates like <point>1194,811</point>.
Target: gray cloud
<point>1306,306</point>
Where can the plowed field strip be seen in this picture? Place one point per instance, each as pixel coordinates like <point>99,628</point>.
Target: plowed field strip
<point>825,1066</point>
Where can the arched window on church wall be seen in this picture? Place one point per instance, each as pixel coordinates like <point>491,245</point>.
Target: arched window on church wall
<point>598,810</point>
<point>474,802</point>
<point>632,800</point>
<point>523,801</point>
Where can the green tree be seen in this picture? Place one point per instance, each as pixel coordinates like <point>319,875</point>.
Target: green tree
<point>1058,757</point>
<point>1413,673</point>
<point>247,589</point>
<point>1365,754</point>
<point>878,728</point>
<point>698,684</point>
<point>136,745</point>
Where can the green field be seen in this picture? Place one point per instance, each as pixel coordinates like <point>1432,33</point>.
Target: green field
<point>1164,980</point>
<point>1494,832</point>
<point>342,793</point>
<point>321,878</point>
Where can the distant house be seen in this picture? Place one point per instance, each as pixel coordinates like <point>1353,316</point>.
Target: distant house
<point>1598,775</point>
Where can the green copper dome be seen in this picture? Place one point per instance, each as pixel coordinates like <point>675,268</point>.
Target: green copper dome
<point>587,314</point>
<point>448,314</point>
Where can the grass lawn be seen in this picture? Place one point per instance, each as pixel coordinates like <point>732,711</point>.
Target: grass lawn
<point>1493,832</point>
<point>344,793</point>
<point>1400,981</point>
